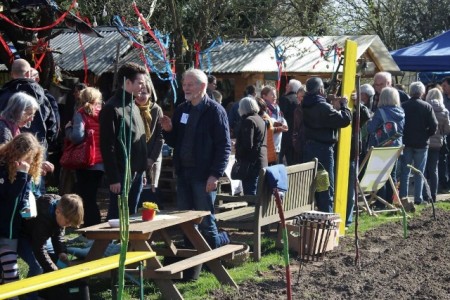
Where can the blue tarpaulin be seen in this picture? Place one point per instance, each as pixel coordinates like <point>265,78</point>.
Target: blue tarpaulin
<point>431,55</point>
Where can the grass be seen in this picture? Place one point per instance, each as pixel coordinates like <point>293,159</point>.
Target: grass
<point>250,271</point>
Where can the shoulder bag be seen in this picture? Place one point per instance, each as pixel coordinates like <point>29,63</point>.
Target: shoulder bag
<point>79,156</point>
<point>387,133</point>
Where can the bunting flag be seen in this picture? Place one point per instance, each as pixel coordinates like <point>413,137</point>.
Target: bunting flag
<point>325,53</point>
<point>217,42</point>
<point>279,59</point>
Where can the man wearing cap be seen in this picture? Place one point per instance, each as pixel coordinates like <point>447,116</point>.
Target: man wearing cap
<point>288,104</point>
<point>321,122</point>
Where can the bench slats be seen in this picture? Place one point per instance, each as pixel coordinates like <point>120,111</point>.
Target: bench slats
<point>199,259</point>
<point>46,280</point>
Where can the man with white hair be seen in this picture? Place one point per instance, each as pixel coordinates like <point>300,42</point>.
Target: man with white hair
<point>199,133</point>
<point>288,104</point>
<point>380,81</point>
<point>420,124</point>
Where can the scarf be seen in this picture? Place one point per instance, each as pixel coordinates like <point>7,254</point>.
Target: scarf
<point>146,118</point>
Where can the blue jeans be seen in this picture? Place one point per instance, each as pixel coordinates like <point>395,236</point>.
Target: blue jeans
<point>351,194</point>
<point>192,195</point>
<point>432,171</point>
<point>419,157</point>
<point>133,197</point>
<point>325,155</point>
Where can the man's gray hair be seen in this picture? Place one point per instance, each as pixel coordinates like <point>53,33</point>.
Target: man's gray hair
<point>314,86</point>
<point>295,85</point>
<point>416,89</point>
<point>17,105</point>
<point>248,105</point>
<point>198,74</point>
<point>386,75</point>
<point>367,89</point>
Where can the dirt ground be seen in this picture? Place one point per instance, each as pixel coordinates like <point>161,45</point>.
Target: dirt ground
<point>391,267</point>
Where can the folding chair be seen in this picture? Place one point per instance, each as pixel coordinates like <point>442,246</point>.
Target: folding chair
<point>379,163</point>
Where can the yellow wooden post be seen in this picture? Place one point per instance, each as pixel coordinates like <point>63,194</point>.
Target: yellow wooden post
<point>345,136</point>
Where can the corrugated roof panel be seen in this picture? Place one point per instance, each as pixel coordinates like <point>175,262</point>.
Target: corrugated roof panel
<point>301,55</point>
<point>100,52</point>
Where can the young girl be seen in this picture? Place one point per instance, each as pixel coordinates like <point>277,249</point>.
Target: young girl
<point>20,163</point>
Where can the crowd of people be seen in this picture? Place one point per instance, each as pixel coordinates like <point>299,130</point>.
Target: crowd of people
<point>264,130</point>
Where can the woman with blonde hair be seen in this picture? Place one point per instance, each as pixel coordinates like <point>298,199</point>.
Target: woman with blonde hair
<point>85,121</point>
<point>435,98</point>
<point>151,113</point>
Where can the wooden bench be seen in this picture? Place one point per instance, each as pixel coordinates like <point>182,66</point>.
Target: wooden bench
<point>298,198</point>
<point>46,280</point>
<point>198,259</point>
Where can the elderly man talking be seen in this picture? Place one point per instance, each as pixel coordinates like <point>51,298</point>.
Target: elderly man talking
<point>199,134</point>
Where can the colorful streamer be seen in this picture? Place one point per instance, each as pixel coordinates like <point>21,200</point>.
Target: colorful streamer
<point>83,51</point>
<point>58,21</point>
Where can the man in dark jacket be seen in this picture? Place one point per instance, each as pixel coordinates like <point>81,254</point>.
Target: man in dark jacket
<point>420,124</point>
<point>199,133</point>
<point>288,104</point>
<point>44,124</point>
<point>111,117</point>
<point>322,121</point>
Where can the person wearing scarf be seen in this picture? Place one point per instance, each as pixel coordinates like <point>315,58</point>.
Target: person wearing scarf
<point>151,114</point>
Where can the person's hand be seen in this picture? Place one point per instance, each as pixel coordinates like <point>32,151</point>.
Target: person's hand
<point>343,101</point>
<point>144,180</point>
<point>63,257</point>
<point>211,184</point>
<point>69,124</point>
<point>284,128</point>
<point>166,123</point>
<point>47,167</point>
<point>22,166</point>
<point>115,188</point>
<point>150,163</point>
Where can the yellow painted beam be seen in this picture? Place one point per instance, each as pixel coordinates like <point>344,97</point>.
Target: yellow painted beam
<point>345,136</point>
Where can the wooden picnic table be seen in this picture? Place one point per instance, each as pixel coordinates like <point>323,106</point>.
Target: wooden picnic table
<point>141,235</point>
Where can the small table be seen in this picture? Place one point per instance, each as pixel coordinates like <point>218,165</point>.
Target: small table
<point>141,234</point>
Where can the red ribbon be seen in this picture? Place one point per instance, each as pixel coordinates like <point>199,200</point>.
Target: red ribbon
<point>59,20</point>
<point>80,40</point>
<point>7,49</point>
<point>197,54</point>
<point>149,30</point>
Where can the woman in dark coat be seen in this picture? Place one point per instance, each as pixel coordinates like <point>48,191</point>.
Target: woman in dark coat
<point>251,143</point>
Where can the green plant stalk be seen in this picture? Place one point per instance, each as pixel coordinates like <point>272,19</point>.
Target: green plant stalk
<point>405,225</point>
<point>123,200</point>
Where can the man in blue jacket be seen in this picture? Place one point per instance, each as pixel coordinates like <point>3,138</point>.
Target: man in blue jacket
<point>199,134</point>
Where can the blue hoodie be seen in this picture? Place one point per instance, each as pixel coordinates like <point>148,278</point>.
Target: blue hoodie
<point>393,114</point>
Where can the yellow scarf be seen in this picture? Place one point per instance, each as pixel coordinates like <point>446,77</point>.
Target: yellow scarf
<point>146,118</point>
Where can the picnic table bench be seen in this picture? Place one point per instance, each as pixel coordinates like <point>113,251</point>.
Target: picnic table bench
<point>83,270</point>
<point>263,210</point>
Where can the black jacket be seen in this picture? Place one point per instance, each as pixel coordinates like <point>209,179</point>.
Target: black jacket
<point>44,124</point>
<point>253,133</point>
<point>420,123</point>
<point>113,154</point>
<point>288,104</point>
<point>38,230</point>
<point>321,120</point>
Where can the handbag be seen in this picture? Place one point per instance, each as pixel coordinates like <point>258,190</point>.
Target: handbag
<point>79,156</point>
<point>241,168</point>
<point>387,133</point>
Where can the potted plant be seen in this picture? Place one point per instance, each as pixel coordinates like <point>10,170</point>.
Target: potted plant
<point>149,210</point>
